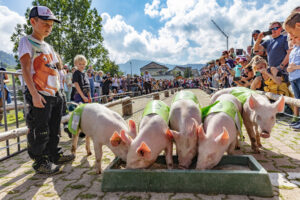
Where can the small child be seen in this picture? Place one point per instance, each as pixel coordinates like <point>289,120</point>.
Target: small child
<point>81,81</point>
<point>292,26</point>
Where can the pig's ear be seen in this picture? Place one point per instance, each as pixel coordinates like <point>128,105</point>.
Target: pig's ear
<point>132,127</point>
<point>144,151</point>
<point>127,140</point>
<point>223,139</point>
<point>279,104</point>
<point>252,102</point>
<point>170,134</point>
<point>194,128</point>
<point>115,139</point>
<point>200,133</point>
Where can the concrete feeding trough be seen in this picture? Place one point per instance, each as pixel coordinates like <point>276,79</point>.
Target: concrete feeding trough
<point>241,175</point>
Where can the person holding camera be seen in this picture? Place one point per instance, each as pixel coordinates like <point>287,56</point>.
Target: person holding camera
<point>277,47</point>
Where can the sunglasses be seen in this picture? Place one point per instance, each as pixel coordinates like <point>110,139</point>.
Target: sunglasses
<point>274,29</point>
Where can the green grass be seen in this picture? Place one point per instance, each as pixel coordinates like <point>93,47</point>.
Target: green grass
<point>77,186</point>
<point>293,141</point>
<point>131,198</point>
<point>279,156</point>
<point>288,167</point>
<point>13,192</point>
<point>273,171</point>
<point>263,161</point>
<point>11,118</point>
<point>285,187</point>
<point>88,196</point>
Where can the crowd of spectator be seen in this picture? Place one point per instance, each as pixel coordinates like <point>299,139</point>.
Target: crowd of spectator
<point>264,65</point>
<point>101,83</point>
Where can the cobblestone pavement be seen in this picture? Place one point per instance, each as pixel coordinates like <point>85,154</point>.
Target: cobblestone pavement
<point>280,157</point>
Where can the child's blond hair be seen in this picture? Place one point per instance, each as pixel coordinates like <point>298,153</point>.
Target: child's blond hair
<point>79,58</point>
<point>292,19</point>
<point>255,61</point>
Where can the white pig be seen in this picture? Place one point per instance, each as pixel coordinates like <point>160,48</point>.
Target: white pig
<point>259,115</point>
<point>218,134</point>
<point>102,125</point>
<point>185,116</point>
<point>154,136</point>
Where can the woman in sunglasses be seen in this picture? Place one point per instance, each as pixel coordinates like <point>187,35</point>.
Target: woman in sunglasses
<point>277,46</point>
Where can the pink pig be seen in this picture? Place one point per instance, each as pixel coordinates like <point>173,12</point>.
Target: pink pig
<point>259,115</point>
<point>102,125</point>
<point>185,117</point>
<point>217,135</point>
<point>154,136</point>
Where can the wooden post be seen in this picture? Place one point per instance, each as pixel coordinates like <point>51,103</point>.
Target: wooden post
<point>166,93</point>
<point>156,96</point>
<point>127,107</point>
<point>104,99</point>
<point>172,91</point>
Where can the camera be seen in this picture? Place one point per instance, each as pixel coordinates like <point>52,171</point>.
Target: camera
<point>267,33</point>
<point>236,78</point>
<point>257,74</point>
<point>239,52</point>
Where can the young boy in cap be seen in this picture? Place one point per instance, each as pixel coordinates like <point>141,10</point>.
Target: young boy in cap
<point>292,27</point>
<point>41,76</point>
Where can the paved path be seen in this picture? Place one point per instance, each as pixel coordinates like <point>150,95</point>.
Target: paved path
<point>280,157</point>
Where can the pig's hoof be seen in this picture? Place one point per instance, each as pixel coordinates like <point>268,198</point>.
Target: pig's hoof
<point>237,148</point>
<point>256,151</point>
<point>170,166</point>
<point>89,153</point>
<point>259,145</point>
<point>98,171</point>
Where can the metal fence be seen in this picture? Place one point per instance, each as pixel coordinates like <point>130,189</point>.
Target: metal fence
<point>10,112</point>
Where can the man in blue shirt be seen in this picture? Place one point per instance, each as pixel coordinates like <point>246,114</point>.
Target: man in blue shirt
<point>276,47</point>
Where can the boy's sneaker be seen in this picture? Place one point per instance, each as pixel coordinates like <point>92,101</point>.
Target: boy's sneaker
<point>45,167</point>
<point>63,159</point>
<point>295,121</point>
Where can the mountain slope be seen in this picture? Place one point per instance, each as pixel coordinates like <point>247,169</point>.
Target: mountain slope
<point>7,58</point>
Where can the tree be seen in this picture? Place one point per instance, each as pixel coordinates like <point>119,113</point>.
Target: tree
<point>111,66</point>
<point>78,33</point>
<point>187,72</point>
<point>176,73</point>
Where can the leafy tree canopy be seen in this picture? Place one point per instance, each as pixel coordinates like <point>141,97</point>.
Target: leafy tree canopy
<point>78,33</point>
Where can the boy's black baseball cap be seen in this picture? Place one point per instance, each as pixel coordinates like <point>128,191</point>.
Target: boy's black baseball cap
<point>42,12</point>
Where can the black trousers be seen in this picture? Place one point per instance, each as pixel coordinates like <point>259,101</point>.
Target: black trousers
<point>44,127</point>
<point>148,88</point>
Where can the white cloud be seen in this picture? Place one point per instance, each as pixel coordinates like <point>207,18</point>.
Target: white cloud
<point>188,35</point>
<point>8,22</point>
<point>152,9</point>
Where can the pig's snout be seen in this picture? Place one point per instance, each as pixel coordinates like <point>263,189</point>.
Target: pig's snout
<point>182,167</point>
<point>265,134</point>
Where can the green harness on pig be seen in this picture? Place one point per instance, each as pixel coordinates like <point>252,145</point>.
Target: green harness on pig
<point>242,93</point>
<point>186,95</point>
<point>157,107</point>
<point>227,107</point>
<point>74,122</point>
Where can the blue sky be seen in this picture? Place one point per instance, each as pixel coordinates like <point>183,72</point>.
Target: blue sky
<point>169,31</point>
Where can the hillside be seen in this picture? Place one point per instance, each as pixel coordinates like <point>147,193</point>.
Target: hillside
<point>7,58</point>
